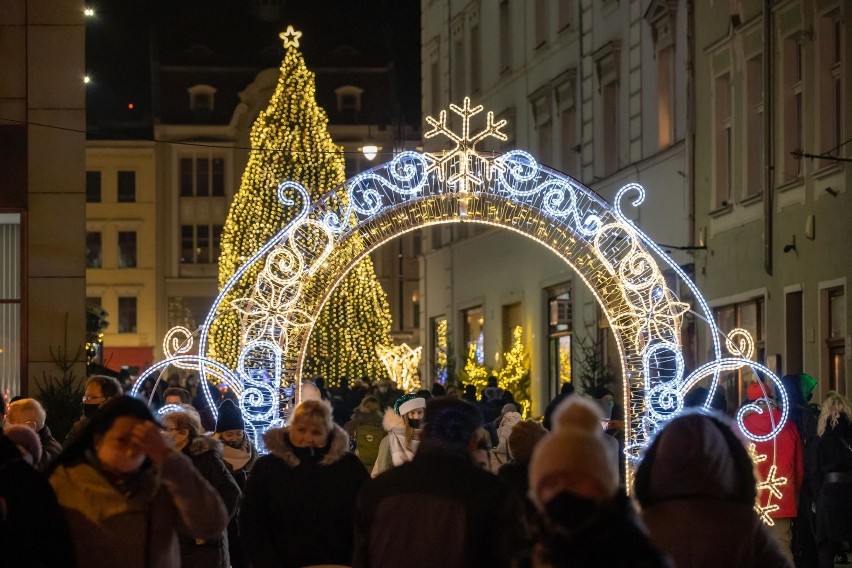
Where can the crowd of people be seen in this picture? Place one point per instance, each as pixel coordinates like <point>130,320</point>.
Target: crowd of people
<point>365,475</point>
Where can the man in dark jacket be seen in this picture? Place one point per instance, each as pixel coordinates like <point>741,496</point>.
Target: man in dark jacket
<point>440,509</point>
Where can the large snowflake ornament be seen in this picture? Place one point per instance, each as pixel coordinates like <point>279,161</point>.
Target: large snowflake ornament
<point>464,151</point>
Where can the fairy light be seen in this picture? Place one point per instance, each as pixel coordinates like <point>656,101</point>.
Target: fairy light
<point>277,282</point>
<point>514,376</point>
<point>401,362</point>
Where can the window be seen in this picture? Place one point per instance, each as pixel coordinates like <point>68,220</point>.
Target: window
<point>513,316</point>
<point>540,37</point>
<point>93,186</point>
<point>475,59</point>
<point>567,127</point>
<point>127,249</point>
<point>723,166</point>
<point>201,99</point>
<point>505,37</point>
<point>202,176</point>
<point>754,126</point>
<point>93,250</point>
<point>127,314</point>
<point>660,15</point>
<point>416,243</point>
<point>607,59</point>
<point>791,104</point>
<point>440,349</point>
<point>459,67</point>
<point>559,327</point>
<point>126,187</point>
<point>566,13</point>
<point>349,100</point>
<point>830,45</point>
<point>435,72</point>
<point>11,326</point>
<point>474,323</point>
<point>836,339</point>
<point>544,126</point>
<point>749,316</point>
<point>200,244</point>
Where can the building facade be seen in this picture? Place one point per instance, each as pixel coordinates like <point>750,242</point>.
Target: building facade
<point>772,173</point>
<point>598,90</point>
<point>42,199</point>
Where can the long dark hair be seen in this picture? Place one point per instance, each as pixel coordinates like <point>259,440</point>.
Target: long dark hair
<point>99,424</point>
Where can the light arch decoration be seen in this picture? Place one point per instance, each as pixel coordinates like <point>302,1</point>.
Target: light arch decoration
<point>621,265</point>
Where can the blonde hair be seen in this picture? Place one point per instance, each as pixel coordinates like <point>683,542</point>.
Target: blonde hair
<point>834,405</point>
<point>32,407</point>
<point>317,411</point>
<point>186,420</point>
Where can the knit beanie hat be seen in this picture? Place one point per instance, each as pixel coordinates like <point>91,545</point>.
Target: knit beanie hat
<point>408,402</point>
<point>576,447</point>
<point>25,438</point>
<point>523,439</point>
<point>309,391</point>
<point>230,417</point>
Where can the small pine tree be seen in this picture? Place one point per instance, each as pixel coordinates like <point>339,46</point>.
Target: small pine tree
<point>515,374</point>
<point>594,369</point>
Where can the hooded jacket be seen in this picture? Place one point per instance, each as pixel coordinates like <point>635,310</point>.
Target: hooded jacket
<point>140,529</point>
<point>393,451</point>
<point>695,500</point>
<point>298,502</point>
<point>206,455</point>
<point>785,454</point>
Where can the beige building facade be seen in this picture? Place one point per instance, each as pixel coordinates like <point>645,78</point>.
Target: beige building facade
<point>597,90</point>
<point>42,199</point>
<point>772,174</point>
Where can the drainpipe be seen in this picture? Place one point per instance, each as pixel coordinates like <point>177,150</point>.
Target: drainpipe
<point>768,204</point>
<point>690,117</point>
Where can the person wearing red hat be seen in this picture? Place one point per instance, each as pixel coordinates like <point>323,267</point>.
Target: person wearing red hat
<point>779,462</point>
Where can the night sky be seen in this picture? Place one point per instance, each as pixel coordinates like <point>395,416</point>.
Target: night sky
<point>126,36</point>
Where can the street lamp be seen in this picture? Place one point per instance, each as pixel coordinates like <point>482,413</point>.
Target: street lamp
<point>370,151</point>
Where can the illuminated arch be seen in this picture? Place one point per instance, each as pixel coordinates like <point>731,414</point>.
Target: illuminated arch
<point>306,260</point>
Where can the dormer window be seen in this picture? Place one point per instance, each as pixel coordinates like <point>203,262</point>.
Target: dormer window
<point>201,98</point>
<point>349,100</point>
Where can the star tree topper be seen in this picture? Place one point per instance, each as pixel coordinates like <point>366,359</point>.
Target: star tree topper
<point>464,150</point>
<point>290,37</point>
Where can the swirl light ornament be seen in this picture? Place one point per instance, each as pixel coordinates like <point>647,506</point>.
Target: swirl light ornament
<point>620,264</point>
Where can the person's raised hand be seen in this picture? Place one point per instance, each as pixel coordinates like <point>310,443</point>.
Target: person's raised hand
<point>148,438</point>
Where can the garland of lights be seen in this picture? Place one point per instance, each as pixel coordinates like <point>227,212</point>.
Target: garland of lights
<point>314,252</point>
<point>401,362</point>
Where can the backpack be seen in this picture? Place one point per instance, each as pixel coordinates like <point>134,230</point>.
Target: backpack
<point>368,437</point>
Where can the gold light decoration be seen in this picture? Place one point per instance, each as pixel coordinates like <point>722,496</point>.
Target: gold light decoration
<point>401,362</point>
<point>515,374</point>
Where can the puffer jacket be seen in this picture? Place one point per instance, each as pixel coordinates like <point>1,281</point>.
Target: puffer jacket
<point>206,455</point>
<point>138,529</point>
<point>298,502</point>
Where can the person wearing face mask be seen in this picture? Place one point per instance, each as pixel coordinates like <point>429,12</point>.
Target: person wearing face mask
<point>183,427</point>
<point>239,455</point>
<point>402,423</point>
<point>587,519</point>
<point>99,389</point>
<point>386,393</point>
<point>298,502</point>
<point>127,494</point>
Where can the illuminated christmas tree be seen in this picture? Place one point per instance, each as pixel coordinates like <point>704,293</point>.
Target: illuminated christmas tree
<point>515,374</point>
<point>474,372</point>
<point>290,141</point>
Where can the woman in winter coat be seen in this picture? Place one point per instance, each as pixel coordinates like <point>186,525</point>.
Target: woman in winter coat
<point>127,494</point>
<point>402,423</point>
<point>833,479</point>
<point>184,428</point>
<point>500,453</point>
<point>299,499</point>
<point>697,490</point>
<point>365,428</point>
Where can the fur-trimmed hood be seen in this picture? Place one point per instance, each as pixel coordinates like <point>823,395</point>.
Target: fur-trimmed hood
<point>202,444</point>
<point>393,421</point>
<point>278,443</point>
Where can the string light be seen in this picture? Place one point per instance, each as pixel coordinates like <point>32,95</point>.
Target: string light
<point>401,362</point>
<point>325,239</point>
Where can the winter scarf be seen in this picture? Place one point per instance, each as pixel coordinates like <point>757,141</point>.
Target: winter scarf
<point>399,450</point>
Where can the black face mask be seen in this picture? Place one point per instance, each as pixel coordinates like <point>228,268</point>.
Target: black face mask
<point>414,423</point>
<point>90,409</point>
<point>569,510</point>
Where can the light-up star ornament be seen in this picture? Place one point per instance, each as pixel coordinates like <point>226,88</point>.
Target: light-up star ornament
<point>464,150</point>
<point>290,37</point>
<point>401,361</point>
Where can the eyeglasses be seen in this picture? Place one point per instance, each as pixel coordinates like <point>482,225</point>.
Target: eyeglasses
<point>87,398</point>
